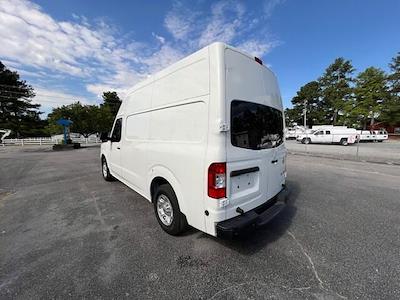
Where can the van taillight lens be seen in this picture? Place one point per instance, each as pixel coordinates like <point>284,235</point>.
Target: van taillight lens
<point>217,180</point>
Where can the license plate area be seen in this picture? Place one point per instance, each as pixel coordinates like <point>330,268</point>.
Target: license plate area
<point>244,184</point>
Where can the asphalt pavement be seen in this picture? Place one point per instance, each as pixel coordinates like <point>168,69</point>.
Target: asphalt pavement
<point>66,233</point>
<point>385,152</point>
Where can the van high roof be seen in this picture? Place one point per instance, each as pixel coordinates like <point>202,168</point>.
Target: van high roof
<point>182,62</point>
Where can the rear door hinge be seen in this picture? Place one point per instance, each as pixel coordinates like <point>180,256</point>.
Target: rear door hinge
<point>223,127</point>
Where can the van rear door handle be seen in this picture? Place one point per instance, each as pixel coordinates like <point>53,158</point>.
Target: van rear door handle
<point>118,148</point>
<point>274,161</point>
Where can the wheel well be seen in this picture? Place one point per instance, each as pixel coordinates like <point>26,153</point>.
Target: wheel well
<point>103,158</point>
<point>156,183</point>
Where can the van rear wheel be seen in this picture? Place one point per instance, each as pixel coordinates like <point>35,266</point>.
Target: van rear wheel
<point>167,211</point>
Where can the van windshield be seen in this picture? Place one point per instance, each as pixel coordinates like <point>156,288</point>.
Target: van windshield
<point>255,126</point>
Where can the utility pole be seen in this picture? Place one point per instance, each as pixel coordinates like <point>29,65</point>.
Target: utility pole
<point>305,121</point>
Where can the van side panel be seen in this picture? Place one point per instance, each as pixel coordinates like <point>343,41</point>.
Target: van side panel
<point>187,82</point>
<point>178,133</point>
<point>182,123</point>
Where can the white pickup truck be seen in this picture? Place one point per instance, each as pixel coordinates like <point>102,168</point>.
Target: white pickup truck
<point>329,135</point>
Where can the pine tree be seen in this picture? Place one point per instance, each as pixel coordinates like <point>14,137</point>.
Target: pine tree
<point>309,97</point>
<point>112,101</point>
<point>336,89</point>
<point>371,95</point>
<point>16,110</point>
<point>391,112</point>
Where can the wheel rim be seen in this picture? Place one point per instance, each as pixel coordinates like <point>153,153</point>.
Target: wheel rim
<point>105,171</point>
<point>164,210</point>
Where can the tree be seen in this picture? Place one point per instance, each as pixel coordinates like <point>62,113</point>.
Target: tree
<point>371,94</point>
<point>109,108</point>
<point>394,77</point>
<point>87,119</point>
<point>112,101</point>
<point>336,90</point>
<point>293,115</point>
<point>16,110</point>
<point>308,96</point>
<point>391,111</point>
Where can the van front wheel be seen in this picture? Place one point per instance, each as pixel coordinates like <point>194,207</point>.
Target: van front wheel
<point>167,210</point>
<point>106,171</point>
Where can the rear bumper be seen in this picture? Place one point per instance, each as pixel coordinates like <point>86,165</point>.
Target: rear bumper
<point>254,218</point>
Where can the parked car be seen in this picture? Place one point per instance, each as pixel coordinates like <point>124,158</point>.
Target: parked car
<point>203,141</point>
<point>372,135</point>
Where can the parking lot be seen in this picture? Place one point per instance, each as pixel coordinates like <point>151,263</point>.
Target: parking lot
<point>66,233</point>
<point>385,152</point>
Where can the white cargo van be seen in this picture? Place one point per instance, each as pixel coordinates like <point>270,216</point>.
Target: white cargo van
<point>203,141</point>
<point>328,134</point>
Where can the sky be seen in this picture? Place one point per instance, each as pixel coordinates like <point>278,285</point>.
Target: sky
<point>74,50</point>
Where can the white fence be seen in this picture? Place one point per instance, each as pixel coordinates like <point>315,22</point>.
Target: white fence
<point>49,141</point>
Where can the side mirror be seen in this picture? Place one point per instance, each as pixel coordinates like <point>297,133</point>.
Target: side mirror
<point>104,137</point>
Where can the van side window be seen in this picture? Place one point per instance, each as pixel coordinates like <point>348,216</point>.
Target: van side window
<point>319,133</point>
<point>327,132</point>
<point>116,134</point>
<point>255,126</point>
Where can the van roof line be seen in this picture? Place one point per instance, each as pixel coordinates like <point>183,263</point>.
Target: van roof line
<point>151,77</point>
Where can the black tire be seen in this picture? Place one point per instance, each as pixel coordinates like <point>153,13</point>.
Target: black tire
<point>306,141</point>
<point>105,171</point>
<point>178,223</point>
<point>344,142</point>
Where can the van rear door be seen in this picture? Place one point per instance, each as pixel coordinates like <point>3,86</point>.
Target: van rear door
<point>255,149</point>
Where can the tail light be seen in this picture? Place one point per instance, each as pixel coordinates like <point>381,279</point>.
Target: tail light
<point>217,180</point>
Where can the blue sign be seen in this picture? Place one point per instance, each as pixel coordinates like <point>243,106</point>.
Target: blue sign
<point>64,122</point>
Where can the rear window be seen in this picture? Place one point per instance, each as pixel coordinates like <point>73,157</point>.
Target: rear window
<point>255,126</point>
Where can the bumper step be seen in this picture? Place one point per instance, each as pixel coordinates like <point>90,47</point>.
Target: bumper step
<point>254,218</point>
